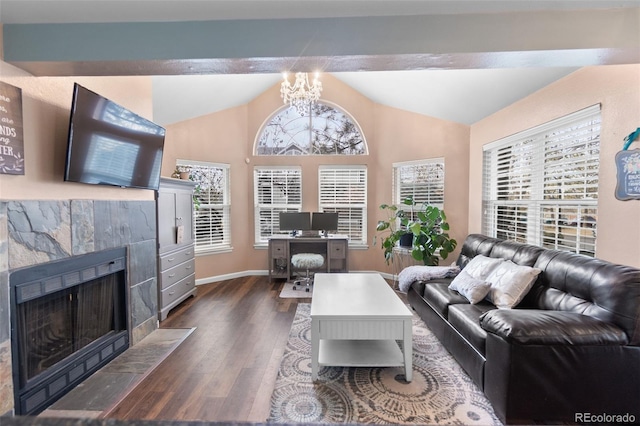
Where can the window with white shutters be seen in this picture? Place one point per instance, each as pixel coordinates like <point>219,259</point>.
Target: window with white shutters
<point>343,189</point>
<point>212,213</point>
<point>276,189</point>
<point>541,186</point>
<point>421,180</point>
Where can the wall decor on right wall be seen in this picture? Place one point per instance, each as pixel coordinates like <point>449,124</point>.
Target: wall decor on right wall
<point>628,167</point>
<point>11,135</point>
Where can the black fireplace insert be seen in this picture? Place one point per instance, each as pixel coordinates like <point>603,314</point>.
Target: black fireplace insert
<point>69,318</point>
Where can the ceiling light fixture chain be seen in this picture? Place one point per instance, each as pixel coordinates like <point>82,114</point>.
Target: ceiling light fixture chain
<point>302,94</point>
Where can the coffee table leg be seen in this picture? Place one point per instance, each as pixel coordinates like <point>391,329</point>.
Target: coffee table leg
<point>315,348</point>
<point>408,350</point>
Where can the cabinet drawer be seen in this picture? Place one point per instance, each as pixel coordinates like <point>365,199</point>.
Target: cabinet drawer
<point>175,274</point>
<point>278,248</point>
<point>174,258</point>
<point>177,290</point>
<point>337,250</point>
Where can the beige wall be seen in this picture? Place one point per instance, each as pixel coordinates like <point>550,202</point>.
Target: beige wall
<point>617,89</point>
<point>218,138</point>
<point>46,102</point>
<point>392,135</point>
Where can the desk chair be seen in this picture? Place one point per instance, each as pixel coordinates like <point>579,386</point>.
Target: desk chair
<point>306,261</point>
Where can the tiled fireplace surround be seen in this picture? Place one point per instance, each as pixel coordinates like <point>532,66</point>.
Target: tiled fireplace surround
<point>34,232</point>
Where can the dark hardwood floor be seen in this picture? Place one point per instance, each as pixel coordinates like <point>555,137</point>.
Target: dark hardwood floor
<point>226,369</point>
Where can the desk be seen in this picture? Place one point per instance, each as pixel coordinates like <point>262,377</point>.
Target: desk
<point>335,250</point>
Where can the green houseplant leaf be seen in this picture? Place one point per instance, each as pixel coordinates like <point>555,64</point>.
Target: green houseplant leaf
<point>429,226</point>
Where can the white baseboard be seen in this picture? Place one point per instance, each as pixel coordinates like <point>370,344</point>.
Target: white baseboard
<point>251,273</point>
<point>225,277</point>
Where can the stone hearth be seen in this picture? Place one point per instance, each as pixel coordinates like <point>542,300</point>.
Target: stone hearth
<point>34,232</point>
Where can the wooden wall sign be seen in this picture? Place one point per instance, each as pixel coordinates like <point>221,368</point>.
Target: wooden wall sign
<point>628,165</point>
<point>11,136</point>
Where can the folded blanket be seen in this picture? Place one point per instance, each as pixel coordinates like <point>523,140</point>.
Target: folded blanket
<point>419,272</point>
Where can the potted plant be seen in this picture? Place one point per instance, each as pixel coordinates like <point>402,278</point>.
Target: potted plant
<point>431,240</point>
<point>429,229</point>
<point>181,172</point>
<point>393,230</point>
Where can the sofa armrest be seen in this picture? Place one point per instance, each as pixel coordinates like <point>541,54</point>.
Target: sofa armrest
<point>541,327</point>
<point>418,286</point>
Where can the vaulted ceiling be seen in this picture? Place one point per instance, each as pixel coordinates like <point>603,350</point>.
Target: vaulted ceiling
<point>462,90</point>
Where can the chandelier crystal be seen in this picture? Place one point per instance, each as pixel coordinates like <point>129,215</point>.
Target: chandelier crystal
<point>302,94</point>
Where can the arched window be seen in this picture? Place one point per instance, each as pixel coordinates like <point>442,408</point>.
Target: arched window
<point>325,130</point>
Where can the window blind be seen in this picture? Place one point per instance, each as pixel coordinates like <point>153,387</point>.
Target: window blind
<point>541,186</point>
<point>276,189</point>
<point>343,190</point>
<point>422,180</point>
<point>212,215</point>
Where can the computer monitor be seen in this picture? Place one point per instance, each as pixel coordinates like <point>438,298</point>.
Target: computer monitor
<point>324,221</point>
<point>295,221</point>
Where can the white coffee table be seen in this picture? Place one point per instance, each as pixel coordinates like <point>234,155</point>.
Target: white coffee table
<point>356,320</point>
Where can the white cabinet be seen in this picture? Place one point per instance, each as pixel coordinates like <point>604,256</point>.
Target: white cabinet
<point>176,251</point>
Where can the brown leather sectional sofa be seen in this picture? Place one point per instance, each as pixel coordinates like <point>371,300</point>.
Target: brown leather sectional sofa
<point>568,352</point>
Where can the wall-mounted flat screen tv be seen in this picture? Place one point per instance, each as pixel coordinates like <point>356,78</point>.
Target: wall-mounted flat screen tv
<point>110,145</point>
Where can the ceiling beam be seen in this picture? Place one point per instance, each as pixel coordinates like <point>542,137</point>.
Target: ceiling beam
<point>498,40</point>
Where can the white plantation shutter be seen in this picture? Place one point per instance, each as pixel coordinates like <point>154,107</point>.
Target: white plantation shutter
<point>343,189</point>
<point>212,218</point>
<point>422,180</point>
<point>511,170</point>
<point>541,186</point>
<point>276,189</point>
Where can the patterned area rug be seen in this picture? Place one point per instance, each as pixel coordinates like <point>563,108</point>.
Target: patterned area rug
<point>440,393</point>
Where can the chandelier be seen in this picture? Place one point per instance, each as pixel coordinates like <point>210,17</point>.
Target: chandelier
<point>302,94</point>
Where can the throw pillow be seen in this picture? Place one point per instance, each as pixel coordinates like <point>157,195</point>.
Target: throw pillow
<point>510,283</point>
<point>480,267</point>
<point>472,289</point>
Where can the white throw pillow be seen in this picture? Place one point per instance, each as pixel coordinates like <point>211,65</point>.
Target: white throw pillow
<point>510,283</point>
<point>480,267</point>
<point>472,289</point>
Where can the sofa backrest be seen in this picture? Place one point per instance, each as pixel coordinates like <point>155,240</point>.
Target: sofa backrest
<point>569,282</point>
<point>518,253</point>
<point>582,284</point>
<point>473,245</point>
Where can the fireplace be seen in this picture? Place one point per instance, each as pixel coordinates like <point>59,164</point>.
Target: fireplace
<point>69,318</point>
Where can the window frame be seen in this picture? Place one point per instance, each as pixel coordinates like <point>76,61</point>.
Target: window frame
<point>397,196</point>
<point>293,149</point>
<point>325,206</point>
<point>259,239</point>
<point>521,199</point>
<point>225,208</point>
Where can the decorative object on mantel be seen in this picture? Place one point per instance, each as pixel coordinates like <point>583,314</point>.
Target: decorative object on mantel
<point>301,95</point>
<point>628,166</point>
<point>11,130</point>
<point>181,172</point>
